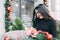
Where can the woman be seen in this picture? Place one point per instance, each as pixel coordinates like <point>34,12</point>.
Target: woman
<point>43,21</point>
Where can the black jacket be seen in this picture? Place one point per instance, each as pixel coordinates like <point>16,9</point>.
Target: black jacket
<point>46,25</point>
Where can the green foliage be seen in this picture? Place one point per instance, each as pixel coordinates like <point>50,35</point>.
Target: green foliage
<point>18,25</point>
<point>38,37</point>
<point>7,21</point>
<point>58,25</point>
<point>56,38</point>
<point>41,37</point>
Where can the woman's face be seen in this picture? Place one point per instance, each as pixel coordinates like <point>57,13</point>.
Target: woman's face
<point>38,14</point>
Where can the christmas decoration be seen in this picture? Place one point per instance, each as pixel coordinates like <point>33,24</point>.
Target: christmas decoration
<point>7,20</point>
<point>18,23</point>
<point>10,9</point>
<point>10,12</point>
<point>7,38</point>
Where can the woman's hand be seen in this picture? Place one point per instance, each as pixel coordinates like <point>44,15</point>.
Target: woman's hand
<point>32,31</point>
<point>28,31</point>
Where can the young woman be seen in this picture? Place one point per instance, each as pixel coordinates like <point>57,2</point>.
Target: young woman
<point>43,21</point>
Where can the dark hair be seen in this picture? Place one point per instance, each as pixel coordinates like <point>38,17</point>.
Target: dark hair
<point>43,10</point>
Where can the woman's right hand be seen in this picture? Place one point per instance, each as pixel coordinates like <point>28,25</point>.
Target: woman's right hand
<point>34,32</point>
<point>31,31</point>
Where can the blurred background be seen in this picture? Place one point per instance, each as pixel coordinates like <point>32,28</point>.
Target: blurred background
<point>24,9</point>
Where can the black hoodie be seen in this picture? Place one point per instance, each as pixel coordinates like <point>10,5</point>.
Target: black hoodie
<point>45,25</point>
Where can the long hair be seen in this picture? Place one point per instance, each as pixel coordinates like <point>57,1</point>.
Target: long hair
<point>43,10</point>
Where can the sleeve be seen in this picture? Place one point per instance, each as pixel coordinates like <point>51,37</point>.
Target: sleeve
<point>34,24</point>
<point>53,29</point>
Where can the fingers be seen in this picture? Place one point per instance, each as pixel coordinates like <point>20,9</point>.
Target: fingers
<point>33,36</point>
